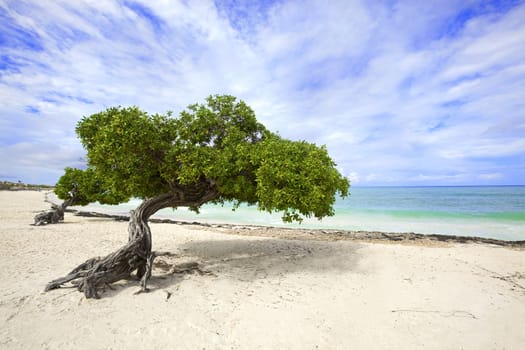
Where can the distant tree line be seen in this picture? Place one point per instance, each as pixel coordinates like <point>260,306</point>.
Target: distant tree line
<point>18,186</point>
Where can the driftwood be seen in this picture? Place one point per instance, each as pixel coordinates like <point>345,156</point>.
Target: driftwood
<point>52,216</point>
<point>56,213</point>
<point>136,255</point>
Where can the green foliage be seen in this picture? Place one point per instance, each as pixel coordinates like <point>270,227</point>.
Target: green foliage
<point>297,178</point>
<point>127,149</point>
<point>83,187</point>
<point>133,154</point>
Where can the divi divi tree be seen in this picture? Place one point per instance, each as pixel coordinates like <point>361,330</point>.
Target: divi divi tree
<point>215,152</point>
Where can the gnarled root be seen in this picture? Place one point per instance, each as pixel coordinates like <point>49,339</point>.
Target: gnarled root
<point>96,273</point>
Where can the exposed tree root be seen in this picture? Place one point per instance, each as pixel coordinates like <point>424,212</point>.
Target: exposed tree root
<point>96,273</point>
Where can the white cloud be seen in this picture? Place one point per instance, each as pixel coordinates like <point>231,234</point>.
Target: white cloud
<point>492,176</point>
<point>353,177</point>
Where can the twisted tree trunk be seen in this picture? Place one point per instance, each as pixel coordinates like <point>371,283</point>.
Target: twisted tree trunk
<point>136,255</point>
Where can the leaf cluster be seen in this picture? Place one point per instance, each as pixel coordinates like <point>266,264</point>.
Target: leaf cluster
<point>83,187</point>
<point>297,178</point>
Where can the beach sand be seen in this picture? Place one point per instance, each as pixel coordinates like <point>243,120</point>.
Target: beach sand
<point>251,292</point>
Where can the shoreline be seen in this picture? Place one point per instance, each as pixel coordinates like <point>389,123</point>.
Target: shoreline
<point>317,234</point>
<point>311,233</point>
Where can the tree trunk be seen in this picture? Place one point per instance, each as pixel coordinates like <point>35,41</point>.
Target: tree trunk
<point>136,255</point>
<point>54,215</point>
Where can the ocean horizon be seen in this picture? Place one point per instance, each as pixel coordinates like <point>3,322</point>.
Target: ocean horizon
<point>483,211</point>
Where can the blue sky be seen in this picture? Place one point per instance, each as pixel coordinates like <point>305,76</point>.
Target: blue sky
<point>401,92</point>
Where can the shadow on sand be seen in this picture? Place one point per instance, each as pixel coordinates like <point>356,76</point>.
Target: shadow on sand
<point>246,260</point>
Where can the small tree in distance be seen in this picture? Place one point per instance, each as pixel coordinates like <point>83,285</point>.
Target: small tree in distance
<point>213,152</point>
<point>74,187</point>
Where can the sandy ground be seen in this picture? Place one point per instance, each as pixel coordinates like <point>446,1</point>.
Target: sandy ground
<point>255,292</point>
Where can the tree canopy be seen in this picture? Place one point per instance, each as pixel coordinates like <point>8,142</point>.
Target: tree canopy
<point>217,144</point>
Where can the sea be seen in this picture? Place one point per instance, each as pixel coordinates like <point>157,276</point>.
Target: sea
<point>481,211</point>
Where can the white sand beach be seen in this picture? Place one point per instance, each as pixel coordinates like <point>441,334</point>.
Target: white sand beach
<point>252,292</point>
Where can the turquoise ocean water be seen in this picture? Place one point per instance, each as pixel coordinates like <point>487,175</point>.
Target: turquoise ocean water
<point>483,211</point>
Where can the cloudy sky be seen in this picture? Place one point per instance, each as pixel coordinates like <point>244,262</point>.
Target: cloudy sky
<point>401,92</point>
